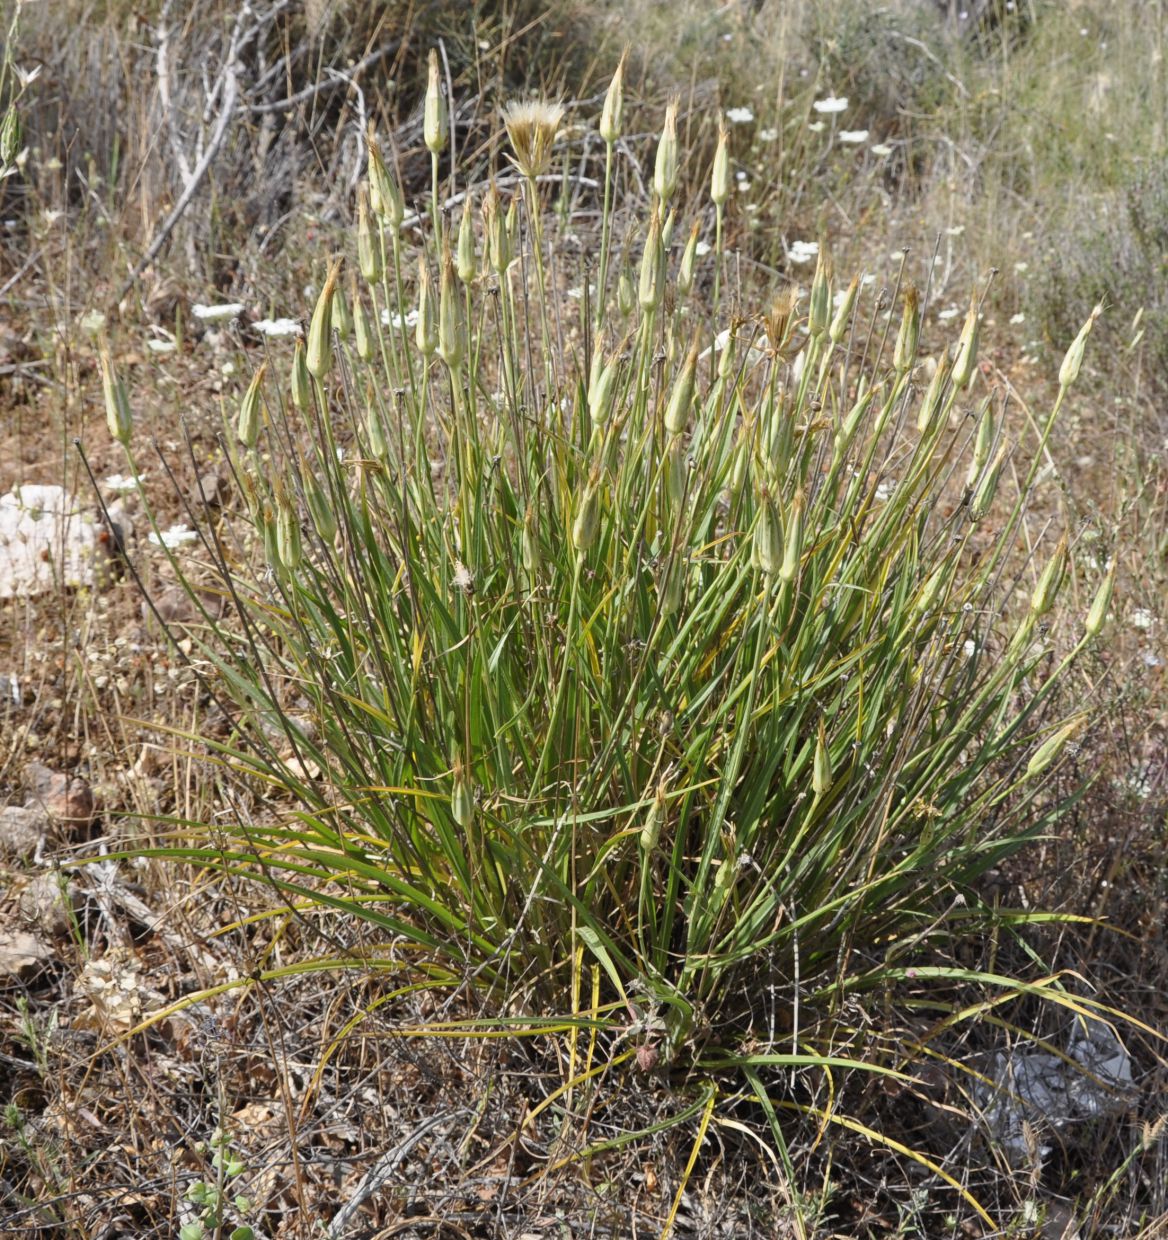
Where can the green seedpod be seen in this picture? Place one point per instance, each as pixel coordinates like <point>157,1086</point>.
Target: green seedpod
<point>839,324</point>
<point>251,409</point>
<point>1073,361</point>
<point>467,261</point>
<point>768,538</point>
<point>426,332</point>
<point>625,297</point>
<point>587,523</point>
<point>819,309</point>
<point>934,395</point>
<point>612,114</point>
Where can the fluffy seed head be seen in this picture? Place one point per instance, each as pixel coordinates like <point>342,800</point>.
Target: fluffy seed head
<point>532,127</point>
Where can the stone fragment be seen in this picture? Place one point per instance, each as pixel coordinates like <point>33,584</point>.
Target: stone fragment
<point>21,830</point>
<point>21,954</point>
<point>46,904</point>
<point>67,800</point>
<point>47,541</point>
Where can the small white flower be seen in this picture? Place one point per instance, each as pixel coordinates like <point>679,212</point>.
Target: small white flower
<point>119,482</point>
<point>1020,268</point>
<point>853,137</point>
<point>739,116</point>
<point>831,105</point>
<point>176,536</point>
<point>955,231</point>
<point>816,126</point>
<point>1017,318</point>
<point>278,327</point>
<point>161,346</point>
<point>1141,618</point>
<point>884,490</point>
<point>880,149</point>
<point>394,320</point>
<point>802,251</point>
<point>702,249</point>
<point>51,217</point>
<point>969,649</point>
<point>767,135</point>
<point>92,321</point>
<point>217,314</point>
<point>27,76</point>
<point>950,312</point>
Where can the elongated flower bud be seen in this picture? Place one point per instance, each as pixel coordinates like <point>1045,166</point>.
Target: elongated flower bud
<point>385,196</point>
<point>652,284</point>
<point>1097,616</point>
<point>966,360</point>
<point>342,319</point>
<point>587,523</point>
<point>768,542</point>
<point>905,352</point>
<point>9,136</point>
<point>301,384</point>
<point>462,797</point>
<point>934,395</point>
<point>612,114</point>
<point>685,269</point>
<point>1047,753</point>
<point>601,393</point>
<point>496,242</point>
<point>839,324</point>
<point>451,324</point>
<point>435,119</point>
<point>362,328</point>
<point>675,473</point>
<point>983,445</point>
<point>288,546</point>
<point>821,774</point>
<point>426,333</point>
<point>368,249</point>
<point>793,544</point>
<point>320,508</point>
<point>819,310</point>
<point>624,295</point>
<point>467,263</point>
<point>665,169</point>
<point>1069,370</point>
<point>530,544</point>
<point>681,398</point>
<point>720,173</point>
<point>250,409</point>
<point>375,429</point>
<point>320,331</point>
<point>933,588</point>
<point>118,416</point>
<point>1046,591</point>
<point>655,819</point>
<point>984,495</point>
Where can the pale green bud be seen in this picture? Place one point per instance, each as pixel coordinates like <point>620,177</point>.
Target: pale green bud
<point>652,284</point>
<point>612,114</point>
<point>839,324</point>
<point>251,409</point>
<point>118,416</point>
<point>435,118</point>
<point>905,351</point>
<point>665,169</point>
<point>1069,370</point>
<point>1050,749</point>
<point>1097,616</point>
<point>368,248</point>
<point>966,360</point>
<point>720,174</point>
<point>681,398</point>
<point>301,384</point>
<point>821,773</point>
<point>426,333</point>
<point>467,264</point>
<point>1046,591</point>
<point>685,270</point>
<point>320,331</point>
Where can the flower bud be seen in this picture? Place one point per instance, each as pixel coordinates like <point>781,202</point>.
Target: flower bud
<point>905,352</point>
<point>1097,616</point>
<point>301,384</point>
<point>934,395</point>
<point>1048,752</point>
<point>587,523</point>
<point>435,119</point>
<point>685,270</point>
<point>467,264</point>
<point>767,537</point>
<point>10,136</point>
<point>319,508</point>
<point>614,104</point>
<point>839,324</point>
<point>819,310</point>
<point>1069,370</point>
<point>288,547</point>
<point>320,330</point>
<point>821,774</point>
<point>651,831</point>
<point>342,319</point>
<point>984,496</point>
<point>1045,592</point>
<point>496,244</point>
<point>385,196</point>
<point>982,445</point>
<point>966,359</point>
<point>530,544</point>
<point>652,284</point>
<point>251,409</point>
<point>624,295</point>
<point>681,398</point>
<point>601,392</point>
<point>451,323</point>
<point>462,797</point>
<point>426,333</point>
<point>118,416</point>
<point>368,249</point>
<point>362,328</point>
<point>665,170</point>
<point>720,174</point>
<point>793,544</point>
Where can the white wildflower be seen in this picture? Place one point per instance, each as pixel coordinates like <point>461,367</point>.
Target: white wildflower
<point>739,116</point>
<point>176,536</point>
<point>853,137</point>
<point>802,251</point>
<point>831,105</point>
<point>217,314</point>
<point>279,327</point>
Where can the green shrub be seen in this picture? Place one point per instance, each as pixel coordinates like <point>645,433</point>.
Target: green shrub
<point>647,665</point>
